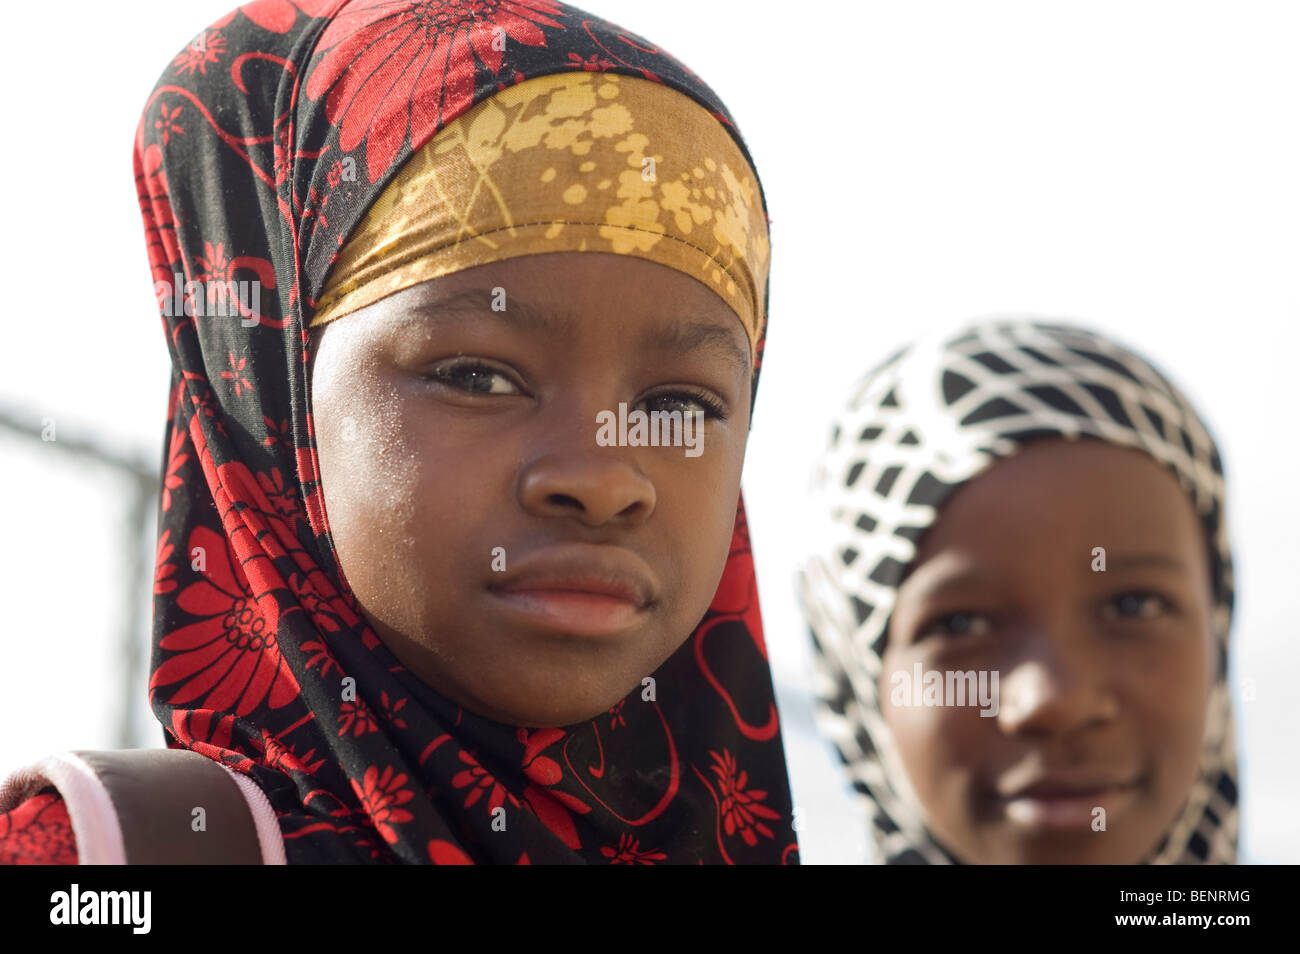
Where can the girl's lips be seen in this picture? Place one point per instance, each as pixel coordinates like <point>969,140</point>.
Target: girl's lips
<point>1067,810</point>
<point>575,612</point>
<point>577,589</point>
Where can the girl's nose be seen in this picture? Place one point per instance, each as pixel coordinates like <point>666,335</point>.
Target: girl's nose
<point>595,485</point>
<point>1057,687</point>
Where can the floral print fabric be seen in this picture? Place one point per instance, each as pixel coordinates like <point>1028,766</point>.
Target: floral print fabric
<point>260,150</point>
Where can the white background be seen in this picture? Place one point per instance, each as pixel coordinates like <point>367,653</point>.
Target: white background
<point>1131,165</point>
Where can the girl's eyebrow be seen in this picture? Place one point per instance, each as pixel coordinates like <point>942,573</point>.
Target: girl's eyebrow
<point>678,337</point>
<point>943,573</point>
<point>683,337</point>
<point>478,303</point>
<point>938,575</point>
<point>1163,561</point>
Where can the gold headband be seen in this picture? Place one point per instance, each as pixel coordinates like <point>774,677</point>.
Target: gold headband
<point>573,162</point>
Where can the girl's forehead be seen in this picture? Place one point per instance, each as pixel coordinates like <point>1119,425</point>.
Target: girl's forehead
<point>1049,511</point>
<point>562,299</point>
<point>1057,483</point>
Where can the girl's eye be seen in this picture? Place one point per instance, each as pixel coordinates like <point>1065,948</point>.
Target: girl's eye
<point>1138,604</point>
<point>687,402</point>
<point>958,624</point>
<point>475,377</point>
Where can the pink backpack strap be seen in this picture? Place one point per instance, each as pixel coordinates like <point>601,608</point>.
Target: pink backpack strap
<point>142,806</point>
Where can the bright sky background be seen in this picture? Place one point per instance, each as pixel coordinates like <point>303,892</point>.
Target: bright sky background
<point>1132,165</point>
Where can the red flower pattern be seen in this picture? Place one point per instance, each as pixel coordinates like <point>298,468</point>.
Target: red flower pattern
<point>740,809</point>
<point>38,832</point>
<point>592,64</point>
<point>354,716</point>
<point>213,264</point>
<point>168,123</point>
<point>229,657</point>
<point>330,614</point>
<point>282,496</point>
<point>478,780</point>
<point>164,570</point>
<point>236,374</point>
<point>175,459</point>
<point>616,717</point>
<point>205,48</point>
<point>278,435</point>
<point>314,208</point>
<point>391,710</point>
<point>629,852</point>
<point>205,404</point>
<point>548,803</point>
<point>416,61</point>
<point>380,794</point>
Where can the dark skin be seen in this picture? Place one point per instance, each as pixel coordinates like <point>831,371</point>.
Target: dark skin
<point>1102,674</point>
<point>447,429</point>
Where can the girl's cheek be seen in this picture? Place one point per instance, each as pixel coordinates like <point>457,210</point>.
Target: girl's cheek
<point>938,735</point>
<point>1169,679</point>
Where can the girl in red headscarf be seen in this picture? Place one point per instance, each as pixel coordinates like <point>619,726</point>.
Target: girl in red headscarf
<point>425,584</point>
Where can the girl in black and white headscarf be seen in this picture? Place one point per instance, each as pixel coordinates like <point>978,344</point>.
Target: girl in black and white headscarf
<point>1021,604</point>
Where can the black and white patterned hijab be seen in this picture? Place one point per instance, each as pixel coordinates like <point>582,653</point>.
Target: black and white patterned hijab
<point>929,419</point>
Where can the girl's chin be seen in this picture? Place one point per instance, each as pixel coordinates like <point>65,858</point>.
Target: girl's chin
<point>1088,847</point>
<point>541,715</point>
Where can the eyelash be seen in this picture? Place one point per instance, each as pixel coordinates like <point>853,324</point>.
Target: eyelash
<point>938,625</point>
<point>1165,604</point>
<point>713,409</point>
<point>449,375</point>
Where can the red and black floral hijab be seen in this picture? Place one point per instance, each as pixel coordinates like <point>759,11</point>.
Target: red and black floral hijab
<point>253,162</point>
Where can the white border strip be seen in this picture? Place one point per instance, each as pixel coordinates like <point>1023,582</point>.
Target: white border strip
<point>268,828</point>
